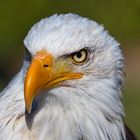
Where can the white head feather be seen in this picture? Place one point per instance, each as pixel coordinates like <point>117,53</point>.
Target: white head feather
<point>89,108</point>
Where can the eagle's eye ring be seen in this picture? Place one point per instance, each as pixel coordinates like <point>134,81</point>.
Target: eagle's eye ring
<point>80,56</point>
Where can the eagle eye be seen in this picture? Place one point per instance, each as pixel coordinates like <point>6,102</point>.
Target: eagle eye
<point>80,56</point>
<point>28,56</point>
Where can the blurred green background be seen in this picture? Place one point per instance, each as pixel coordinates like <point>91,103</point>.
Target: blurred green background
<point>120,17</point>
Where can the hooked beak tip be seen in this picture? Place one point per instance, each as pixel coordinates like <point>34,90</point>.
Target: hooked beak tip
<point>29,105</point>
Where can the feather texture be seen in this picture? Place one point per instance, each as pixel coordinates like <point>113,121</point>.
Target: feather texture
<point>89,108</point>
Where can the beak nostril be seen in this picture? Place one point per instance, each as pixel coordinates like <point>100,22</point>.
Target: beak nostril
<point>46,65</point>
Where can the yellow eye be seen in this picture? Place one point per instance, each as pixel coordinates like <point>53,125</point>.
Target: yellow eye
<point>79,57</point>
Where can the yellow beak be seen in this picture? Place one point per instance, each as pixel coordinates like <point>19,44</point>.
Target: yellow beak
<point>42,74</point>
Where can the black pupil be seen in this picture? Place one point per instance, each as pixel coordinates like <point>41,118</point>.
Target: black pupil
<point>79,55</point>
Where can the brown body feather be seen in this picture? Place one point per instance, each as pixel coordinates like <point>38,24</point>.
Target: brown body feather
<point>129,134</point>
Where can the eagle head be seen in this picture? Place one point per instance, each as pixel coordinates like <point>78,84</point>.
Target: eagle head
<point>73,73</point>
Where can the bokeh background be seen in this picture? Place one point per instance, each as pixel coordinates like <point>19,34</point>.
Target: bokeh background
<point>120,17</point>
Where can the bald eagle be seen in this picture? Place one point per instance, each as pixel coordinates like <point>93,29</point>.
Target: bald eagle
<point>69,87</point>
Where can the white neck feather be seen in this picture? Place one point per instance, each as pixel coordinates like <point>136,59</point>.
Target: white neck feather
<point>76,116</point>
